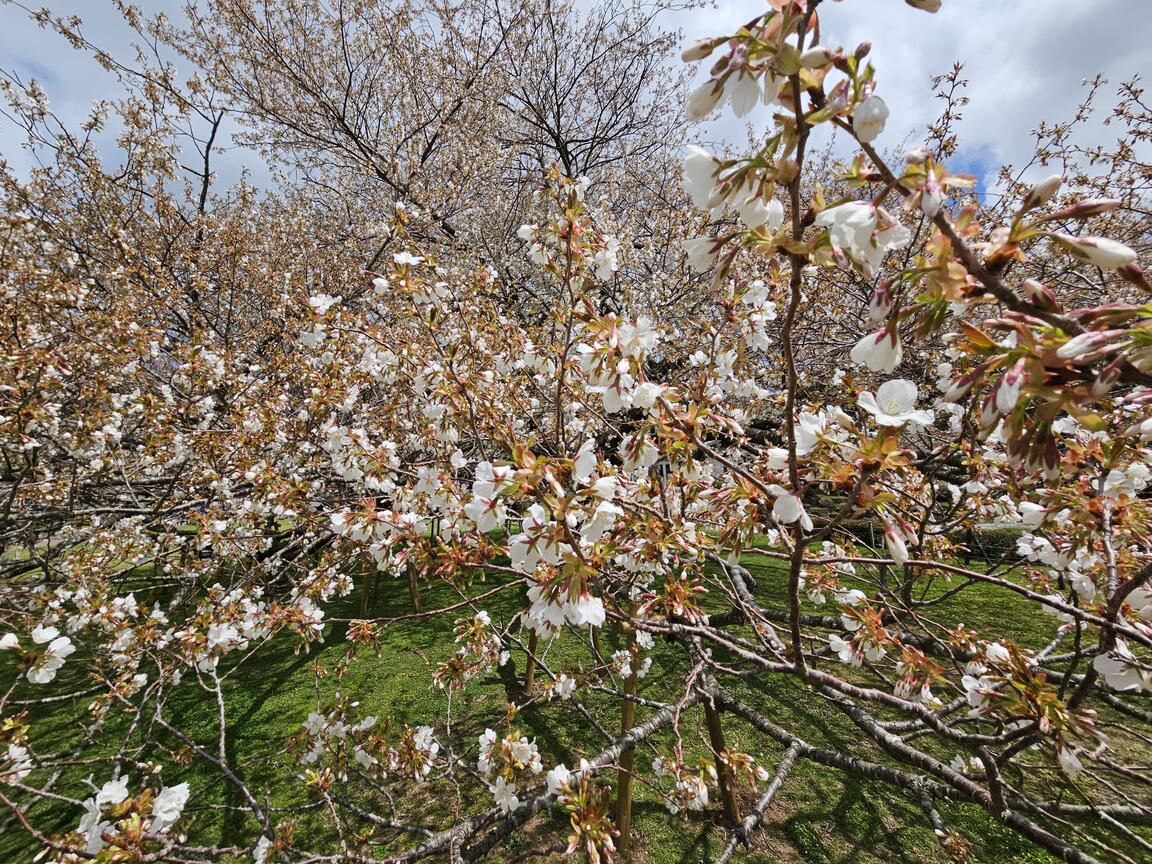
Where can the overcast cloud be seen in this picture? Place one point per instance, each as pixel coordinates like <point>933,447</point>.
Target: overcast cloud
<point>1024,59</point>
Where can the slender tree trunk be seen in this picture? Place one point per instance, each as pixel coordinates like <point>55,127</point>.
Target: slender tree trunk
<point>530,671</point>
<point>370,592</point>
<point>723,769</point>
<point>413,586</point>
<point>628,757</point>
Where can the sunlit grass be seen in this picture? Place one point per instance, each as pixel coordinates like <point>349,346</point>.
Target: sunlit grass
<point>821,816</point>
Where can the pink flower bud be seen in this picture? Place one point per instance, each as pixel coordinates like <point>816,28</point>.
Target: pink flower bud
<point>1085,209</point>
<point>1092,342</point>
<point>1134,274</point>
<point>931,196</point>
<point>960,386</point>
<point>1041,193</point>
<point>988,412</point>
<point>815,57</point>
<point>881,303</point>
<point>1107,378</point>
<point>1039,294</point>
<point>738,56</point>
<point>880,351</point>
<point>1008,391</point>
<point>895,540</point>
<point>1097,251</point>
<point>700,49</point>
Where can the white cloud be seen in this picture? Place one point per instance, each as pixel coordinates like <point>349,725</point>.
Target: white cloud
<point>73,81</point>
<point>1024,60</point>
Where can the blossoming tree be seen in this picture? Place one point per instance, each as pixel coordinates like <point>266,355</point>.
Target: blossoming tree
<point>607,476</point>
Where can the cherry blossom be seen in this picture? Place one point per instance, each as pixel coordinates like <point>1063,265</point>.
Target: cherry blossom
<point>168,806</point>
<point>881,351</point>
<point>788,508</point>
<point>894,404</point>
<point>44,670</point>
<point>1121,670</point>
<point>504,794</point>
<point>476,354</point>
<point>704,99</point>
<point>869,117</point>
<point>558,779</point>
<point>864,232</point>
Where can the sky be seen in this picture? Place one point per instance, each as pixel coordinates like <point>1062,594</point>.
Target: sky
<point>1025,61</point>
<point>73,81</point>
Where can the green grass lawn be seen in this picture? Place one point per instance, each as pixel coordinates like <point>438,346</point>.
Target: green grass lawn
<point>820,816</point>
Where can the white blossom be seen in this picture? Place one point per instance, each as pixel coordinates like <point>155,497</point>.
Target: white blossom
<point>1121,670</point>
<point>869,118</point>
<point>744,91</point>
<point>48,664</point>
<point>558,779</point>
<point>864,232</point>
<point>788,508</point>
<point>701,252</point>
<point>112,792</point>
<point>168,805</point>
<point>881,351</point>
<point>704,99</point>
<point>504,795</point>
<point>894,404</point>
<point>699,175</point>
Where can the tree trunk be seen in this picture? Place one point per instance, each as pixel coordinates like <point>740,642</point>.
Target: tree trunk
<point>628,757</point>
<point>413,586</point>
<point>723,769</point>
<point>530,671</point>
